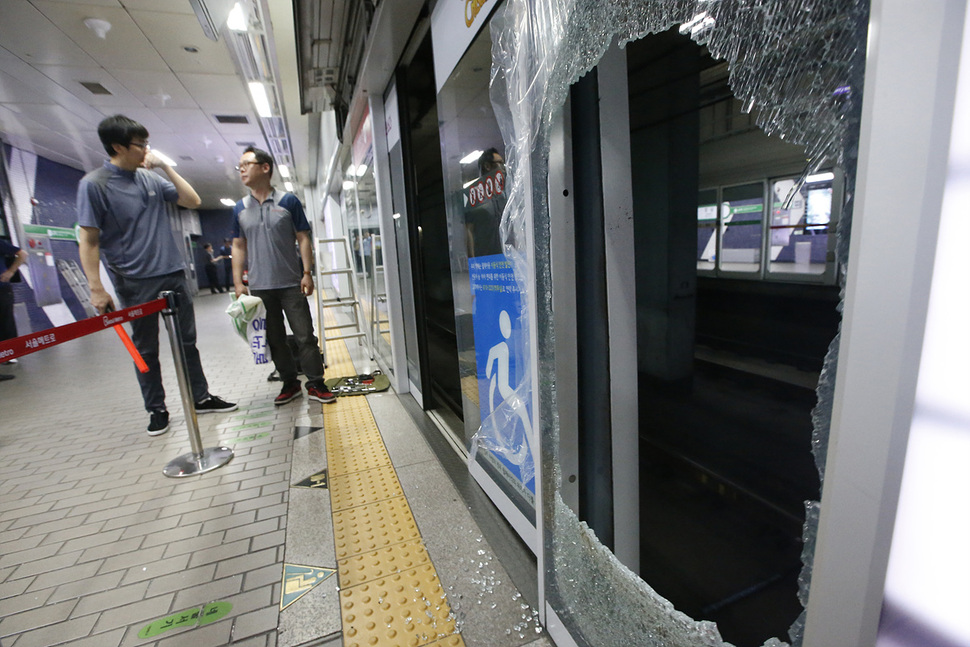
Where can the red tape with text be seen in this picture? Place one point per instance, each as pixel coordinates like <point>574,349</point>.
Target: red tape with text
<point>27,344</point>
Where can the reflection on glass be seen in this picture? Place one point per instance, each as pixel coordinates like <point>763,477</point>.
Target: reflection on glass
<point>706,229</point>
<point>800,218</point>
<point>742,215</point>
<point>488,307</point>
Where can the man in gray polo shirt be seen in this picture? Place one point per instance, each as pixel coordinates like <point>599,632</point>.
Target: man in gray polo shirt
<point>267,228</point>
<point>123,213</point>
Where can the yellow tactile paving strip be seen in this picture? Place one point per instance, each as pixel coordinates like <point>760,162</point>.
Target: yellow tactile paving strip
<point>389,591</point>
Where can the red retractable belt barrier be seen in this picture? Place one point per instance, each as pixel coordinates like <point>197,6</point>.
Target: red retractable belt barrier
<point>27,344</point>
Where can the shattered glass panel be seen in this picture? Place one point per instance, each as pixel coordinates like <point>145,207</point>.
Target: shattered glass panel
<point>798,65</point>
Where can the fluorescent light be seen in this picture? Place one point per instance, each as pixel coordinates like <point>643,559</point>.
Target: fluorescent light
<point>162,156</point>
<point>348,185</point>
<point>360,170</point>
<point>288,186</point>
<point>471,157</point>
<point>229,202</point>
<point>237,19</point>
<point>284,170</point>
<point>469,183</point>
<point>820,177</point>
<point>260,98</point>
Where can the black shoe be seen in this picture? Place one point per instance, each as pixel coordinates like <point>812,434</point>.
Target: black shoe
<point>158,424</point>
<point>4,378</point>
<point>214,404</point>
<point>320,393</point>
<point>290,391</point>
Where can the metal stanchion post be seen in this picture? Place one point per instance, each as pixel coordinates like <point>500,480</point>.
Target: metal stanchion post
<point>199,460</point>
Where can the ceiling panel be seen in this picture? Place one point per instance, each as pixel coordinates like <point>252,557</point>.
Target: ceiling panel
<point>167,6</point>
<point>98,3</point>
<point>124,46</point>
<point>53,117</point>
<point>70,79</point>
<point>13,90</point>
<point>159,28</point>
<point>220,93</point>
<point>28,33</point>
<point>185,121</point>
<point>155,89</point>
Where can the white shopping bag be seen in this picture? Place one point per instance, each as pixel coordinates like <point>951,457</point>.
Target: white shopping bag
<point>249,318</point>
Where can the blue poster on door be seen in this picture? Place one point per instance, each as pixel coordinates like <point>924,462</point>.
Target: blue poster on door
<point>504,396</point>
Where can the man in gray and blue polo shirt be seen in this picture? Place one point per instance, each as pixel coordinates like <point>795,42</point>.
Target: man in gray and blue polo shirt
<point>271,232</point>
<point>123,213</point>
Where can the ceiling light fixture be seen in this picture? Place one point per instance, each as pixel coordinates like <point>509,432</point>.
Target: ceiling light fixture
<point>98,26</point>
<point>284,170</point>
<point>237,18</point>
<point>820,177</point>
<point>260,99</point>
<point>288,186</point>
<point>471,157</point>
<point>229,202</point>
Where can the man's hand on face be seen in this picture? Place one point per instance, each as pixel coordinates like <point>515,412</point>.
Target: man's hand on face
<point>152,161</point>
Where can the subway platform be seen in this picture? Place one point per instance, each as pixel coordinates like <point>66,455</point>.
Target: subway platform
<point>331,525</point>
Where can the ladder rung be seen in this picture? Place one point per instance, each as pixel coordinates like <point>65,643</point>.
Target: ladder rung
<point>350,336</point>
<point>337,327</point>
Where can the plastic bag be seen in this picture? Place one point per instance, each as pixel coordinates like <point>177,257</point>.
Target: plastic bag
<point>248,316</point>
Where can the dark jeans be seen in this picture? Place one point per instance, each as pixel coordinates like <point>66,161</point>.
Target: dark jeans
<point>292,302</point>
<point>144,332</point>
<point>227,281</point>
<point>8,325</point>
<point>212,276</point>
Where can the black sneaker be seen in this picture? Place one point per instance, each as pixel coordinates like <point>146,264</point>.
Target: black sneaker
<point>290,391</point>
<point>158,424</point>
<point>214,404</point>
<point>320,393</point>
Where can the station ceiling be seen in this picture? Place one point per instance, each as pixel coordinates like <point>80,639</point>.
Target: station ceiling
<point>59,77</point>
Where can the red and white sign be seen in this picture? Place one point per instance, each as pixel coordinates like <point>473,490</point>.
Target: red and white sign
<point>486,188</point>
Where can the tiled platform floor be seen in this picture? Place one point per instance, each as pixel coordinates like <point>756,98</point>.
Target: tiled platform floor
<point>96,544</point>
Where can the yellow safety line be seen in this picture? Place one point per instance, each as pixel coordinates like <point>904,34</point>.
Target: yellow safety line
<point>389,591</point>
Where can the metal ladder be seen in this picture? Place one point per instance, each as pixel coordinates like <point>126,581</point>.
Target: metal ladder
<point>377,297</point>
<point>337,331</point>
<point>75,278</point>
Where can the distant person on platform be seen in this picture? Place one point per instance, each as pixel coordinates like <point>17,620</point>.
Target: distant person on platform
<point>123,213</point>
<point>211,273</point>
<point>225,253</point>
<point>268,226</point>
<point>8,325</point>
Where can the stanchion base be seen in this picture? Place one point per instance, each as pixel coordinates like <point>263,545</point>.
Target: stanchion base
<point>191,464</point>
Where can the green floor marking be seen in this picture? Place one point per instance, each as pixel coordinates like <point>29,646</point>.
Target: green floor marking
<point>300,580</point>
<point>188,618</point>
<point>250,438</point>
<point>253,425</point>
<point>258,414</point>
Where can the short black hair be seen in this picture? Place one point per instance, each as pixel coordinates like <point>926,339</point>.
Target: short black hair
<point>485,161</point>
<point>262,157</point>
<point>119,129</point>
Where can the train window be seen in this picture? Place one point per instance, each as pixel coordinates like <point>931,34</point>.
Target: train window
<point>800,221</point>
<point>706,229</point>
<point>734,241</point>
<point>741,225</point>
